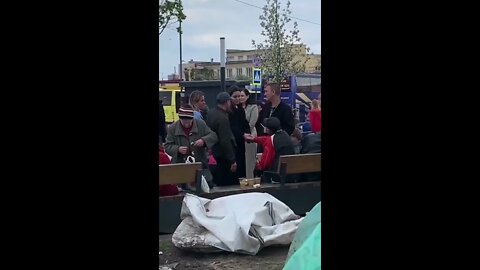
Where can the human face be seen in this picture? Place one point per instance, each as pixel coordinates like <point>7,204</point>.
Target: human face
<point>243,97</point>
<point>236,97</point>
<point>268,93</point>
<point>186,123</point>
<point>201,104</point>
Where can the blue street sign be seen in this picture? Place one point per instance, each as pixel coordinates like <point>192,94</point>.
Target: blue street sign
<point>257,77</point>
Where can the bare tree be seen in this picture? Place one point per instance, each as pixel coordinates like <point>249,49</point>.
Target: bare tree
<point>281,53</point>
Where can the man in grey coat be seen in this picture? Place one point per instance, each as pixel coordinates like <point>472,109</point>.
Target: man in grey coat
<point>189,137</point>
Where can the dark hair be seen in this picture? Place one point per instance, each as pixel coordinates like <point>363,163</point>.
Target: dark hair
<point>275,87</point>
<point>232,89</point>
<point>297,134</point>
<point>249,101</point>
<point>273,124</point>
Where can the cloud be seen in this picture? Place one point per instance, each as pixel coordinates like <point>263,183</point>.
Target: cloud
<point>208,20</point>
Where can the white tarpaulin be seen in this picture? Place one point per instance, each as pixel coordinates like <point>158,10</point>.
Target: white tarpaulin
<point>242,223</point>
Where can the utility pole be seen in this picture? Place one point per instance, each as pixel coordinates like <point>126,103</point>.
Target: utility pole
<point>222,64</point>
<point>180,71</point>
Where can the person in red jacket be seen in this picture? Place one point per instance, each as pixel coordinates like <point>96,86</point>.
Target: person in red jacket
<point>315,116</point>
<point>275,144</point>
<point>166,190</point>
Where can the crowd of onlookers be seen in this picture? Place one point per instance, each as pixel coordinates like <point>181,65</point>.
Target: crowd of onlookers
<point>228,138</point>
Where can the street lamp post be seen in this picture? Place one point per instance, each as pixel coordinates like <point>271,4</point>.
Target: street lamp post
<point>180,71</point>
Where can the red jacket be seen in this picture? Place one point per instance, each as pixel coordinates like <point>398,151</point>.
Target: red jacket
<point>268,155</point>
<point>315,120</point>
<point>166,190</point>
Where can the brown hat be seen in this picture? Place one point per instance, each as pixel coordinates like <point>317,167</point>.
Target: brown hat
<point>186,111</point>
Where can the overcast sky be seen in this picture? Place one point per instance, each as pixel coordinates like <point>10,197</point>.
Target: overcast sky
<point>208,20</point>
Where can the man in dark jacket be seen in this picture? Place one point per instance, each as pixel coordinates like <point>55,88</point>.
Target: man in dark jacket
<point>276,108</point>
<point>224,150</point>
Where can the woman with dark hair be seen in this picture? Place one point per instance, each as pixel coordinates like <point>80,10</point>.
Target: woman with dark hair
<point>240,126</point>
<point>251,115</point>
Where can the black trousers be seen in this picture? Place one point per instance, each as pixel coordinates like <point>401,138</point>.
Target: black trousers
<point>240,159</point>
<point>222,176</point>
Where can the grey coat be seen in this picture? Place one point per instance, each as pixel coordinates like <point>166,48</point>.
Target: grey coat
<point>176,138</point>
<point>251,114</point>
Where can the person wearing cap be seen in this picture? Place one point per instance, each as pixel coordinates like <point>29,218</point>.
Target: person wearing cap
<point>224,150</point>
<point>275,144</point>
<point>189,137</point>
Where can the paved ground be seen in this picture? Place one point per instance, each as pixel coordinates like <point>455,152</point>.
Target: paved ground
<point>269,258</point>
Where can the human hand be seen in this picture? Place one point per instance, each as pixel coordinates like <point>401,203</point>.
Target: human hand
<point>199,143</point>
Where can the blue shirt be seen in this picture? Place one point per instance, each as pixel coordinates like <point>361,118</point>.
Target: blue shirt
<point>197,115</point>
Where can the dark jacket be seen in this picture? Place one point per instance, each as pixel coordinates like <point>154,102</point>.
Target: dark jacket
<point>162,124</point>
<point>239,124</point>
<point>176,137</point>
<point>283,112</point>
<point>283,146</point>
<point>311,144</point>
<point>217,120</point>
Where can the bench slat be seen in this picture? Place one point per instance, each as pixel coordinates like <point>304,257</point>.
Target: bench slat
<point>303,163</point>
<point>179,173</point>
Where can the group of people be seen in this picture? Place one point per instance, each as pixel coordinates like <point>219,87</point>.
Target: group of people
<point>227,138</point>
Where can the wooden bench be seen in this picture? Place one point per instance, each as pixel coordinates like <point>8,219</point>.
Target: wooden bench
<point>181,173</point>
<point>296,164</point>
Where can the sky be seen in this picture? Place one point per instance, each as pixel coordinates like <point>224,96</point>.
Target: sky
<point>208,20</point>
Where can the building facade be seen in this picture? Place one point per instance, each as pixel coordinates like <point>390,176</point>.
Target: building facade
<point>239,65</point>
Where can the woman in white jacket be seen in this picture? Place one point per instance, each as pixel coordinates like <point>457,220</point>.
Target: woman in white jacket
<point>251,114</point>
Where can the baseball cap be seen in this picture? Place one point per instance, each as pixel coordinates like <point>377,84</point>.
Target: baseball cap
<point>223,97</point>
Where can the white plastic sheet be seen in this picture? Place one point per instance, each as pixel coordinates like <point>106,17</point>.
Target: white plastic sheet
<point>242,223</point>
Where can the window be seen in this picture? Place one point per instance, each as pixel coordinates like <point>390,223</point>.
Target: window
<point>229,58</point>
<point>239,71</point>
<point>229,73</point>
<point>240,58</point>
<point>249,72</point>
<point>249,57</point>
<point>308,84</point>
